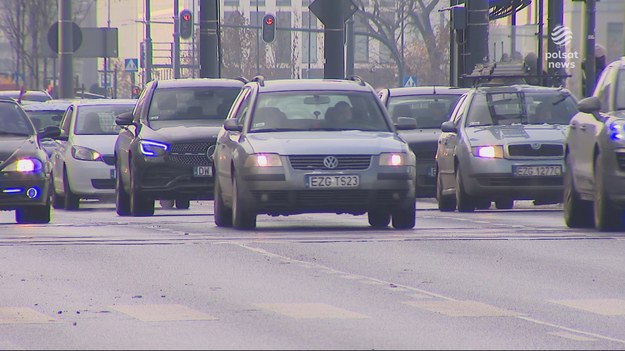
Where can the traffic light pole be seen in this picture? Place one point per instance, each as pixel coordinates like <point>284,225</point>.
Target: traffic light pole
<point>148,45</point>
<point>209,39</point>
<point>66,54</point>
<point>176,35</point>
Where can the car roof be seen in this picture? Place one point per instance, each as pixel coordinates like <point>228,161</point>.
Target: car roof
<point>100,102</point>
<point>199,82</point>
<point>50,105</point>
<point>519,88</point>
<point>427,90</point>
<point>312,84</point>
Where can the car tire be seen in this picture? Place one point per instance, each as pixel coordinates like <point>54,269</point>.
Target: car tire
<point>167,204</point>
<point>183,204</point>
<point>464,202</point>
<point>379,218</point>
<point>140,205</point>
<point>242,216</point>
<point>223,214</point>
<point>506,204</point>
<point>33,214</point>
<point>122,199</point>
<point>58,201</point>
<point>607,216</point>
<point>404,217</point>
<point>72,201</point>
<point>482,204</point>
<point>577,212</point>
<point>446,203</point>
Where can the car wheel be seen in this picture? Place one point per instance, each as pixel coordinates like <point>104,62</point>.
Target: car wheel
<point>504,204</point>
<point>58,201</point>
<point>607,216</point>
<point>482,204</point>
<point>446,203</point>
<point>183,204</point>
<point>577,212</point>
<point>379,218</point>
<point>223,214</point>
<point>463,200</point>
<point>122,199</point>
<point>242,216</point>
<point>33,214</point>
<point>404,216</point>
<point>72,201</point>
<point>167,204</point>
<point>140,205</point>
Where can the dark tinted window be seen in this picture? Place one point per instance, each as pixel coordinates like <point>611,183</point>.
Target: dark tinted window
<point>13,120</point>
<point>197,103</point>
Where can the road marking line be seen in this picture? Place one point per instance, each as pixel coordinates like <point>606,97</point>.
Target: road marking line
<point>23,315</point>
<point>605,307</point>
<point>571,336</point>
<point>310,311</point>
<point>465,308</point>
<point>162,313</point>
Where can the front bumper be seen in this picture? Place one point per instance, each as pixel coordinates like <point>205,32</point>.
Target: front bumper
<point>91,179</point>
<point>23,189</point>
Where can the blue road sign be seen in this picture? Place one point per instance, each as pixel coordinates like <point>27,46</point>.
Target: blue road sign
<point>131,65</point>
<point>410,81</point>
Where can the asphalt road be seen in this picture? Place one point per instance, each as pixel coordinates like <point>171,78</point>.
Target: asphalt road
<point>516,279</point>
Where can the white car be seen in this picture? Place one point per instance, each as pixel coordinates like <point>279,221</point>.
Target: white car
<point>83,163</point>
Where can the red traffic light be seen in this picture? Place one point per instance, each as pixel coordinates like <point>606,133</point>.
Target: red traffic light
<point>186,17</point>
<point>269,20</point>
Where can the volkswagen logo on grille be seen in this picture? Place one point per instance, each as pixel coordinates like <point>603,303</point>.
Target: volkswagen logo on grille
<point>331,162</point>
<point>535,146</point>
<point>210,152</point>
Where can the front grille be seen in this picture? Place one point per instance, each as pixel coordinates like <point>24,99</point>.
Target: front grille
<point>312,162</point>
<point>103,183</point>
<point>519,182</point>
<point>190,154</point>
<point>326,200</point>
<point>620,159</point>
<point>109,159</point>
<point>424,151</point>
<point>543,150</point>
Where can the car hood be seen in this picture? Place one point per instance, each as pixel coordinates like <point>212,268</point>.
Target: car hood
<point>512,134</point>
<point>174,132</point>
<point>420,135</point>
<point>10,146</point>
<point>325,142</point>
<point>104,144</point>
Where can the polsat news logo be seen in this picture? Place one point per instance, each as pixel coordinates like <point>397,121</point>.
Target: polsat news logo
<point>561,36</point>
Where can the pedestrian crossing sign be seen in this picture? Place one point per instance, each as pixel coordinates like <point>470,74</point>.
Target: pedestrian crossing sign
<point>410,81</point>
<point>131,65</point>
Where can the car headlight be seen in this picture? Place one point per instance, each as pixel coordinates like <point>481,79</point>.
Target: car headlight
<point>153,148</point>
<point>24,165</point>
<point>490,151</point>
<point>85,154</point>
<point>393,159</point>
<point>263,160</point>
<point>616,130</point>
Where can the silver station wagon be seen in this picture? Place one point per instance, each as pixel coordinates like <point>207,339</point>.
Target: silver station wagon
<point>313,146</point>
<point>501,144</point>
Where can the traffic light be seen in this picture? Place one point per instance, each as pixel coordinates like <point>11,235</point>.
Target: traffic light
<point>185,24</point>
<point>136,91</point>
<point>269,28</point>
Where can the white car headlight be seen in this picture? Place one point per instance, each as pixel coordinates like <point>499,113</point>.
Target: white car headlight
<point>153,148</point>
<point>85,154</point>
<point>263,160</point>
<point>490,151</point>
<point>616,130</point>
<point>393,159</point>
<point>24,165</point>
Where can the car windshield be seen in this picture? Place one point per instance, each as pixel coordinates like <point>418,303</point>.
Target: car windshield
<point>553,107</point>
<point>195,103</point>
<point>42,119</point>
<point>317,110</point>
<point>428,110</point>
<point>620,90</point>
<point>13,120</point>
<point>99,119</point>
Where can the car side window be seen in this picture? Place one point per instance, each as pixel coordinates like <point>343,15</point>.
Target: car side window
<point>65,125</point>
<point>456,115</point>
<point>244,105</point>
<point>603,89</point>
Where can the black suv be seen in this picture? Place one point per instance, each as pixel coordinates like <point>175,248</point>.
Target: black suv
<point>24,165</point>
<point>164,150</point>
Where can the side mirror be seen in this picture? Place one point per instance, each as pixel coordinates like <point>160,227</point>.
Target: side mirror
<point>49,132</point>
<point>589,104</point>
<point>124,119</point>
<point>232,125</point>
<point>406,123</point>
<point>449,127</point>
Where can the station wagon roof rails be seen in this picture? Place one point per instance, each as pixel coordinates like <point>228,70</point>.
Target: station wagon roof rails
<point>358,79</point>
<point>242,79</point>
<point>259,79</point>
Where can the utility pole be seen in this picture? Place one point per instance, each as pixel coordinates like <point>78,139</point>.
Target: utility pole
<point>555,66</point>
<point>589,68</point>
<point>148,45</point>
<point>176,35</point>
<point>66,50</point>
<point>106,63</point>
<point>209,39</point>
<point>476,34</point>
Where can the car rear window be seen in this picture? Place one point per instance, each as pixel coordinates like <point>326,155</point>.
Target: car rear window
<point>13,120</point>
<point>99,119</point>
<point>191,103</point>
<point>502,108</point>
<point>428,110</point>
<point>318,110</point>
